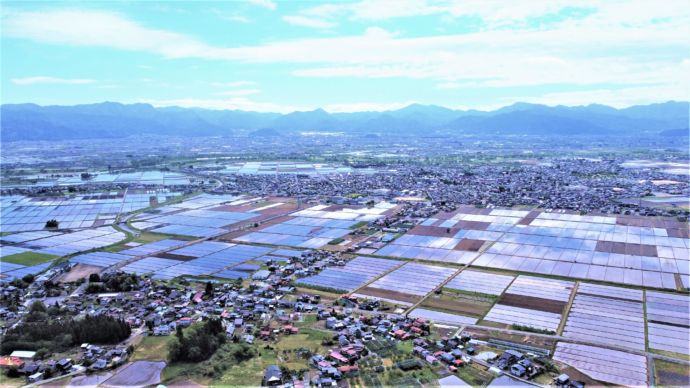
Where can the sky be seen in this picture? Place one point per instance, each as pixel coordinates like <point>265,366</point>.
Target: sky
<point>268,55</point>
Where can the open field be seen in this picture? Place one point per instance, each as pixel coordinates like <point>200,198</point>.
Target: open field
<point>459,303</point>
<point>390,295</point>
<point>669,374</point>
<point>540,304</point>
<point>152,348</point>
<point>80,271</point>
<point>28,258</point>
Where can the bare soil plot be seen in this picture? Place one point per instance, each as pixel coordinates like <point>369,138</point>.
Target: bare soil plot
<point>185,384</point>
<point>468,244</point>
<point>173,256</point>
<point>671,374</point>
<point>389,295</point>
<point>422,230</point>
<point>485,334</point>
<point>80,271</point>
<point>459,303</point>
<point>89,380</point>
<point>533,303</point>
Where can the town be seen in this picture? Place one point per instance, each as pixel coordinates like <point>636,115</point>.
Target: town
<point>406,275</point>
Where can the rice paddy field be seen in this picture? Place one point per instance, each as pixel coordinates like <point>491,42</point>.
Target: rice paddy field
<point>206,258</point>
<point>263,168</point>
<point>209,215</point>
<point>610,366</point>
<point>611,281</point>
<point>316,226</point>
<point>33,252</point>
<point>21,213</point>
<point>637,251</point>
<point>355,274</point>
<point>408,284</point>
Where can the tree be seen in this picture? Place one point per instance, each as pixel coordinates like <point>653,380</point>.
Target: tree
<point>94,278</point>
<point>38,307</point>
<point>28,278</point>
<point>52,223</point>
<point>209,289</point>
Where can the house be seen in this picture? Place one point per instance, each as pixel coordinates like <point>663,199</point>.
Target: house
<point>100,364</point>
<point>331,322</point>
<point>23,354</point>
<point>261,275</point>
<point>185,321</point>
<point>161,330</point>
<point>29,369</point>
<point>11,362</point>
<point>508,358</point>
<point>38,376</point>
<point>273,376</point>
<point>289,329</point>
<point>517,370</point>
<point>64,364</point>
<point>338,357</point>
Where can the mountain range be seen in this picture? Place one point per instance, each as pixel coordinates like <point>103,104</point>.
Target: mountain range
<point>115,120</point>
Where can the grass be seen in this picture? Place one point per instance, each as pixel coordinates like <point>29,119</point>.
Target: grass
<point>671,373</point>
<point>248,373</point>
<point>152,348</point>
<point>358,225</point>
<point>679,356</point>
<point>12,381</point>
<point>28,258</point>
<point>179,371</point>
<point>405,347</point>
<point>143,238</point>
<point>474,376</point>
<point>312,291</point>
<point>307,338</point>
<point>307,320</point>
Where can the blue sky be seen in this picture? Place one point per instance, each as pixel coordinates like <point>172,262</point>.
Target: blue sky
<point>269,55</point>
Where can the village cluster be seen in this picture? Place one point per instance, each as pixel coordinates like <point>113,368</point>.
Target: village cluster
<point>563,272</point>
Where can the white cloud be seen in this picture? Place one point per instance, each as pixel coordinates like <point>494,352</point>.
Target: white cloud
<point>268,4</point>
<point>618,98</point>
<point>100,29</point>
<point>304,21</point>
<point>494,13</point>
<point>238,92</point>
<point>365,107</point>
<point>236,103</point>
<point>51,80</point>
<point>237,18</point>
<point>622,43</point>
<point>234,84</point>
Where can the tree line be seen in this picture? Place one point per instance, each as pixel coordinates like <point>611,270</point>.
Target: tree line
<point>57,335</point>
<point>198,343</point>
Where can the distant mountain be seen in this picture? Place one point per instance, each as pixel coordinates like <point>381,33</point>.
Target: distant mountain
<point>114,120</point>
<point>265,132</point>
<point>676,132</point>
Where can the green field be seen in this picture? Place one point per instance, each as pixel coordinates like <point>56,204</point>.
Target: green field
<point>143,238</point>
<point>153,348</point>
<point>28,258</point>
